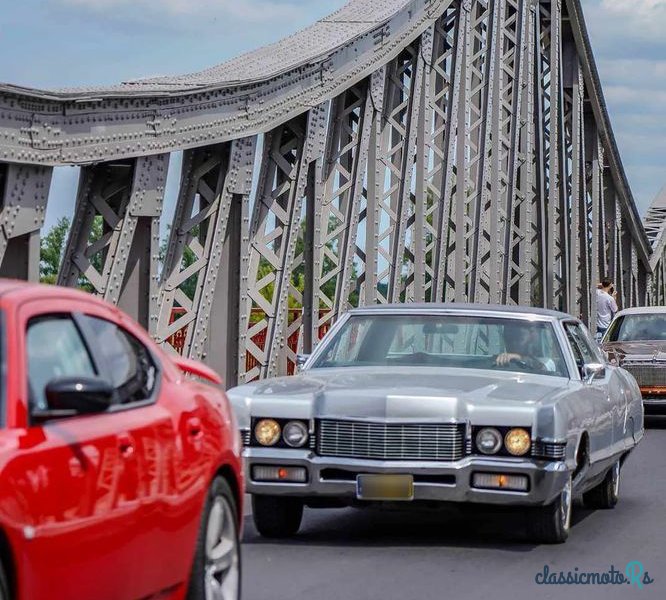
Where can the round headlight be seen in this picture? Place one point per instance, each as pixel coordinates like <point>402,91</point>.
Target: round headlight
<point>295,434</point>
<point>517,442</point>
<point>489,440</point>
<point>267,432</point>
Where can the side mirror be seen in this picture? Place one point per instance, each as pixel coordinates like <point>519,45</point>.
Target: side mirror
<point>592,371</point>
<point>301,359</point>
<point>70,396</point>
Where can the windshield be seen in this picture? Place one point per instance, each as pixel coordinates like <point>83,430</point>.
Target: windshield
<point>445,341</point>
<point>629,328</point>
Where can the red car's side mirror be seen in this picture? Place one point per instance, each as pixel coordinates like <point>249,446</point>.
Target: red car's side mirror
<point>70,396</point>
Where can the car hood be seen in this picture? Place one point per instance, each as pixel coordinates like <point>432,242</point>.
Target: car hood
<point>401,394</point>
<point>637,350</point>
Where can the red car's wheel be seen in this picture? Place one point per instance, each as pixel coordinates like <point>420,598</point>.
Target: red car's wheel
<point>217,562</point>
<point>4,586</point>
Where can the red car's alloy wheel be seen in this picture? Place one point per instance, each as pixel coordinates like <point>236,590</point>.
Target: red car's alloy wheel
<point>216,573</point>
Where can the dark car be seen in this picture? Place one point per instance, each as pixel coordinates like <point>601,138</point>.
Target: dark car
<point>636,340</point>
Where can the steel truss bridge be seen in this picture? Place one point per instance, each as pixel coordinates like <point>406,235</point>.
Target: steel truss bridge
<point>395,151</point>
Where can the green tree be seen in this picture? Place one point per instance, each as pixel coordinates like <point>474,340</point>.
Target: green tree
<point>51,249</point>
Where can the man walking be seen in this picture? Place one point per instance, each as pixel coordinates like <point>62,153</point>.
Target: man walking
<point>606,306</point>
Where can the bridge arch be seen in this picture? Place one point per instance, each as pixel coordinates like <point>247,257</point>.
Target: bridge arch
<point>395,151</point>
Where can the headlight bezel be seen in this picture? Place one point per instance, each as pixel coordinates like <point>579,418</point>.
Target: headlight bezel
<point>495,433</point>
<point>503,451</point>
<point>281,441</point>
<point>300,425</point>
<point>526,437</point>
<point>276,437</point>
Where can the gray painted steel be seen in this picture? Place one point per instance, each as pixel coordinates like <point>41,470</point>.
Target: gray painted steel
<point>396,151</point>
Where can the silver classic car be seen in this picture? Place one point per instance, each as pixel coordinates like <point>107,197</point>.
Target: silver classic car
<point>636,341</point>
<point>434,403</point>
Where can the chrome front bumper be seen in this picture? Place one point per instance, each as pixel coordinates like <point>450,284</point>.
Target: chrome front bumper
<point>335,478</point>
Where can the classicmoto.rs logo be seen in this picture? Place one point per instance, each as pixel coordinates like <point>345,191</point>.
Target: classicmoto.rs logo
<point>634,574</point>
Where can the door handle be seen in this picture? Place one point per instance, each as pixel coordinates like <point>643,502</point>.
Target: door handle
<point>194,428</point>
<point>125,445</point>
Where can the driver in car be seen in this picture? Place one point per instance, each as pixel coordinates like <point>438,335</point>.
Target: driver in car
<point>523,346</point>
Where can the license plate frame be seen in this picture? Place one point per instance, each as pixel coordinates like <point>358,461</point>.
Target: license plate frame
<point>385,487</point>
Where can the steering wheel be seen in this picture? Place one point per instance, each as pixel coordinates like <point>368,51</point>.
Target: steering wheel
<point>532,364</point>
<point>529,364</point>
<point>521,363</point>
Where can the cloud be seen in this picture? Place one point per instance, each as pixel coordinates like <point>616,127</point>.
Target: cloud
<point>643,72</point>
<point>630,50</point>
<point>622,20</point>
<point>243,10</point>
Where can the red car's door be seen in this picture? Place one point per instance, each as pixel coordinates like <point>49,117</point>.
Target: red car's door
<point>83,481</point>
<point>164,530</point>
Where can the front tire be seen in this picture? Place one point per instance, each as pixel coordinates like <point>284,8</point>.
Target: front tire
<point>276,516</point>
<point>216,572</point>
<point>4,584</point>
<point>550,524</point>
<point>607,493</point>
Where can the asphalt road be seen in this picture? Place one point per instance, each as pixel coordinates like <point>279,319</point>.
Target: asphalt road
<point>352,554</point>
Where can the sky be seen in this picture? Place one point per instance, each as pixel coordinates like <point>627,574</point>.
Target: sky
<point>65,43</point>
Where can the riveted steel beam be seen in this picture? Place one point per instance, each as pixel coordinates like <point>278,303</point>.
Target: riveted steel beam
<point>24,191</point>
<point>113,243</point>
<point>412,150</point>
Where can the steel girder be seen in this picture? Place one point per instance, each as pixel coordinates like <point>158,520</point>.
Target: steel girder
<point>114,239</point>
<point>24,191</point>
<point>432,150</point>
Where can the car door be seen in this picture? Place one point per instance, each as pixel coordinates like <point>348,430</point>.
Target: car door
<point>149,428</point>
<point>68,474</point>
<point>95,480</point>
<point>596,393</point>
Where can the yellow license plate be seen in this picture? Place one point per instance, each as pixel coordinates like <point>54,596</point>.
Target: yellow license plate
<point>384,487</point>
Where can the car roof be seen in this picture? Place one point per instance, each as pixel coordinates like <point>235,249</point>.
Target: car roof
<point>16,292</point>
<point>461,307</point>
<point>643,310</point>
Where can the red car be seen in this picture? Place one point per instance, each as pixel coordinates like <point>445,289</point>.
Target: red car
<point>120,477</point>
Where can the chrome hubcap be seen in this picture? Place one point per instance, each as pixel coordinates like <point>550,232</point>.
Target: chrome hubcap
<point>565,506</point>
<point>221,571</point>
<point>615,474</point>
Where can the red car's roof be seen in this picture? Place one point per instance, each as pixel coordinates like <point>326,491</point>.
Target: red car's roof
<point>17,291</point>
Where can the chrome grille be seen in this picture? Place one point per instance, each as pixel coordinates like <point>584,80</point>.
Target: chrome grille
<point>648,375</point>
<point>549,450</point>
<point>245,436</point>
<point>391,441</point>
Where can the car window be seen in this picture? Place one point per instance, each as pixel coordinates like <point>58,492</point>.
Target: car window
<point>126,363</point>
<point>55,349</point>
<point>580,345</point>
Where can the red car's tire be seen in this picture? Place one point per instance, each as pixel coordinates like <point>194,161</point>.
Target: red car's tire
<point>4,584</point>
<point>217,559</point>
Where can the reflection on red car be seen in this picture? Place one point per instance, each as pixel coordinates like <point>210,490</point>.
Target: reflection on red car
<point>120,468</point>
